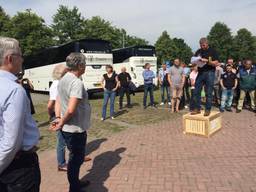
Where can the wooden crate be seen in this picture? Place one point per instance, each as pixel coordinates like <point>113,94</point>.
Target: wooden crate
<point>201,125</point>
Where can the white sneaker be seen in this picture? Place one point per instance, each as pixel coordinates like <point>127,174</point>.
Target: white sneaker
<point>186,107</point>
<point>102,119</point>
<point>112,117</point>
<point>169,103</point>
<point>162,103</point>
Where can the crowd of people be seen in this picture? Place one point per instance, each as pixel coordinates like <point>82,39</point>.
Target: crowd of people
<point>224,84</point>
<point>205,79</point>
<point>188,85</point>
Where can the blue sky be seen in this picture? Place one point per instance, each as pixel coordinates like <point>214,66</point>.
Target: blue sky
<point>187,19</point>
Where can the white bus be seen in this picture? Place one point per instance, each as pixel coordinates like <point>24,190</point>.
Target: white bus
<point>134,58</point>
<point>38,68</point>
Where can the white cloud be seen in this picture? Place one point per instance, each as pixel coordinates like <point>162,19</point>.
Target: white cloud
<point>148,18</point>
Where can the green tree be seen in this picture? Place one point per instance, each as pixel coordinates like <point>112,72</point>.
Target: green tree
<point>97,27</point>
<point>244,45</point>
<point>133,40</point>
<point>165,48</point>
<point>31,31</point>
<point>68,24</point>
<point>221,39</point>
<point>4,21</point>
<point>183,51</point>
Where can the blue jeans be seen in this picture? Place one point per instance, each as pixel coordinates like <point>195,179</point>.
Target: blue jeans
<point>108,95</point>
<point>76,145</point>
<point>204,79</point>
<point>192,103</point>
<point>226,98</point>
<point>167,89</point>
<point>148,88</point>
<point>61,145</point>
<point>122,91</point>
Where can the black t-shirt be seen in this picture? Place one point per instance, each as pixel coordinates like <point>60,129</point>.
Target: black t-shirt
<point>209,54</point>
<point>229,79</point>
<point>165,80</point>
<point>110,82</point>
<point>124,79</point>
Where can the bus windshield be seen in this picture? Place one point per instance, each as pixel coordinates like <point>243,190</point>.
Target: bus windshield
<point>95,47</point>
<point>120,55</point>
<point>144,52</point>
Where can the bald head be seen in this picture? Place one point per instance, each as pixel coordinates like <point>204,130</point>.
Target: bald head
<point>123,69</point>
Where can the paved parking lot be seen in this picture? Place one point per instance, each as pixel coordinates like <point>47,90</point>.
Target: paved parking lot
<point>160,158</point>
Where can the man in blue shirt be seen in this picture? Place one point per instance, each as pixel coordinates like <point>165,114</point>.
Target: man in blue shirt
<point>19,167</point>
<point>148,77</point>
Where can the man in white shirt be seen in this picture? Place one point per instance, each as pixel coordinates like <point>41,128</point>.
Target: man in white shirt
<point>19,135</point>
<point>58,72</point>
<point>73,114</point>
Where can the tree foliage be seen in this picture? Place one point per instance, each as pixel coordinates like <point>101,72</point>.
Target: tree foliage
<point>221,39</point>
<point>31,31</point>
<point>96,27</point>
<point>68,24</point>
<point>168,49</point>
<point>4,21</point>
<point>244,45</point>
<point>183,51</point>
<point>133,40</point>
<point>165,48</point>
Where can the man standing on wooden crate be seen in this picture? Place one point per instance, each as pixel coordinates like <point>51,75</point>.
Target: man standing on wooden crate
<point>207,60</point>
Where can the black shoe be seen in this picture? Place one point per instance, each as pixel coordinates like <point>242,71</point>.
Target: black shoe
<point>207,113</point>
<point>144,107</point>
<point>195,112</point>
<point>129,106</point>
<point>229,109</point>
<point>221,110</point>
<point>238,111</point>
<point>84,183</point>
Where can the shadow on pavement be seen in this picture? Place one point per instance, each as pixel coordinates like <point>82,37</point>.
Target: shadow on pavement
<point>100,171</point>
<point>94,145</point>
<point>119,113</point>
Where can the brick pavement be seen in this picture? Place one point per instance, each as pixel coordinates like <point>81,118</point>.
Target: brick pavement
<point>159,158</point>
